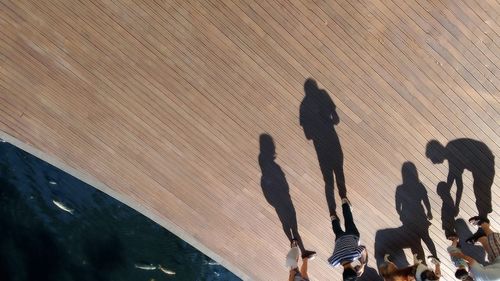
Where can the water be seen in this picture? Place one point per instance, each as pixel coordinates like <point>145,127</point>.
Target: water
<point>102,239</point>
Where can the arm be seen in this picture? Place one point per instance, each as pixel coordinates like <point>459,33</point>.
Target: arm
<point>364,260</point>
<point>291,275</point>
<point>460,189</point>
<point>468,259</point>
<point>329,108</point>
<point>455,175</point>
<point>399,205</point>
<point>477,268</point>
<point>437,271</point>
<point>427,203</point>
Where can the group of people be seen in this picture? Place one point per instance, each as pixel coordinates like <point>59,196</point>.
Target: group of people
<point>318,117</point>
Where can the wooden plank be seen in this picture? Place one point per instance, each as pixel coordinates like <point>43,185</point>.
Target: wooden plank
<point>163,102</point>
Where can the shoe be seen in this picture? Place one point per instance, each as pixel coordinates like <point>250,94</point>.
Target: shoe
<point>345,200</point>
<point>434,260</point>
<point>477,220</point>
<point>310,255</point>
<point>473,239</point>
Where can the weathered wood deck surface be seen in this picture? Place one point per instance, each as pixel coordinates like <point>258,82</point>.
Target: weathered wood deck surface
<point>163,102</point>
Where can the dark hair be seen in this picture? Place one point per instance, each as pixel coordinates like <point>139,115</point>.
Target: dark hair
<point>349,274</point>
<point>434,149</point>
<point>428,275</point>
<point>310,85</point>
<point>461,273</point>
<point>409,172</point>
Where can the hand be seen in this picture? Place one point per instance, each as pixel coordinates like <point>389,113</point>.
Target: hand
<point>335,118</point>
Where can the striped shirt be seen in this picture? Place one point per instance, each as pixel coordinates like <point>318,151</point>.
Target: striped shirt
<point>494,243</point>
<point>347,249</point>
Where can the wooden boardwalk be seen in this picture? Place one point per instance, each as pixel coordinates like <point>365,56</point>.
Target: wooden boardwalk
<point>161,104</point>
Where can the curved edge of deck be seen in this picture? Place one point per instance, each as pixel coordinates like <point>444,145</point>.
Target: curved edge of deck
<point>88,179</point>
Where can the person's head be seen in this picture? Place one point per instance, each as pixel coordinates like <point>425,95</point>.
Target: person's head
<point>461,274</point>
<point>435,151</point>
<point>428,275</point>
<point>349,274</point>
<point>267,147</point>
<point>310,86</point>
<point>409,172</point>
<point>387,269</point>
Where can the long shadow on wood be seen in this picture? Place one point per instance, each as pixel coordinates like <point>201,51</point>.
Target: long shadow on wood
<point>467,154</point>
<point>318,119</point>
<point>411,198</point>
<point>276,189</point>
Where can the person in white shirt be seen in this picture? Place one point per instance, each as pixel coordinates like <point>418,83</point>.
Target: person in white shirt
<point>479,272</point>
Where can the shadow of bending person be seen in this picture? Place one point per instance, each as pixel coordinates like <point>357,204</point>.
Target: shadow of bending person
<point>276,189</point>
<point>318,118</point>
<point>474,156</point>
<point>411,197</point>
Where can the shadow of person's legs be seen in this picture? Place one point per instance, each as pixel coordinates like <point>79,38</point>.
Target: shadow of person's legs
<point>276,189</point>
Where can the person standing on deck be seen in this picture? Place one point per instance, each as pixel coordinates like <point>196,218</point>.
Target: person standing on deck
<point>461,271</point>
<point>491,243</point>
<point>489,239</point>
<point>347,252</point>
<point>292,260</point>
<point>474,156</point>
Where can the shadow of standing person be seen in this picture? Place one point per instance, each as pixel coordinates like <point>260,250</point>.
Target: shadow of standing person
<point>474,156</point>
<point>318,118</point>
<point>409,198</point>
<point>276,189</point>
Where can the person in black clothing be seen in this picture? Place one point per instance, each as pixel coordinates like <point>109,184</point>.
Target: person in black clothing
<point>474,156</point>
<point>348,251</point>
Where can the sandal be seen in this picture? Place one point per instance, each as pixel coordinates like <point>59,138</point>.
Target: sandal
<point>477,220</point>
<point>310,255</point>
